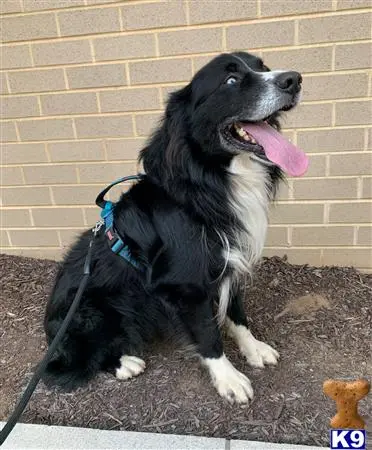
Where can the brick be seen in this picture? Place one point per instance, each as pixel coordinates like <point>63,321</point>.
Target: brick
<point>203,12</point>
<point>24,28</point>
<point>153,15</point>
<point>146,123</point>
<point>166,91</point>
<point>333,28</point>
<point>8,132</point>
<point>75,195</point>
<point>73,103</point>
<point>364,236</point>
<point>50,174</point>
<point>68,237</point>
<point>15,56</point>
<point>96,2</point>
<point>259,35</point>
<point>15,218</point>
<point>276,236</point>
<point>124,47</point>
<point>76,151</point>
<point>317,166</point>
<point>190,41</point>
<point>130,100</point>
<point>89,21</point>
<point>302,60</point>
<point>3,84</point>
<point>24,196</point>
<point>369,139</point>
<point>296,213</point>
<point>322,236</point>
<point>309,116</point>
<point>90,173</point>
<point>58,217</point>
<point>104,126</point>
<point>37,80</point>
<point>325,87</point>
<point>348,4</point>
<point>45,129</point>
<point>21,153</point>
<point>26,106</point>
<point>287,7</point>
<point>92,215</point>
<point>355,164</point>
<point>367,188</point>
<point>283,192</point>
<point>356,257</point>
<point>4,240</point>
<point>66,52</point>
<point>161,71</point>
<point>353,113</point>
<point>10,6</point>
<point>201,61</point>
<point>296,256</point>
<point>97,76</point>
<point>34,238</point>
<point>351,212</point>
<point>353,56</point>
<point>122,149</point>
<point>331,140</point>
<point>36,5</point>
<point>326,189</point>
<point>10,176</point>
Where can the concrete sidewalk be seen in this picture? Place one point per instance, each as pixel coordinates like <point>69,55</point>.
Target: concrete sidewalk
<point>43,437</point>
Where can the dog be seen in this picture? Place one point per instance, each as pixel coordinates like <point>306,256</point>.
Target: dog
<point>195,222</point>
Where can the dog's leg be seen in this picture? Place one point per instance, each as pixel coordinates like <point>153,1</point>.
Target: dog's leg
<point>256,352</point>
<point>130,366</point>
<point>200,322</point>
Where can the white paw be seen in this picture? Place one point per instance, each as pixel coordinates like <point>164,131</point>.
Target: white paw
<point>259,353</point>
<point>256,352</point>
<point>229,382</point>
<point>131,366</point>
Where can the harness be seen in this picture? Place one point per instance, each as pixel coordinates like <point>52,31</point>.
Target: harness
<point>115,241</point>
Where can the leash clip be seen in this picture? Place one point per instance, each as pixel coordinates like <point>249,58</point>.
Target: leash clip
<point>97,226</point>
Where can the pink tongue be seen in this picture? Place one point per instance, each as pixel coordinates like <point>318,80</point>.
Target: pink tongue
<point>277,149</point>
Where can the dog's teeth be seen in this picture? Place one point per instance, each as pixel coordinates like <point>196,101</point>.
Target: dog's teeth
<point>246,137</point>
<point>241,132</point>
<point>253,140</point>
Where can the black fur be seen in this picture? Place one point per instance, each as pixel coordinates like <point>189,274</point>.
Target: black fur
<point>172,220</point>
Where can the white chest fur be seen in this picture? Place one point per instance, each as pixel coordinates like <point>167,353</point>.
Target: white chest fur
<point>250,201</point>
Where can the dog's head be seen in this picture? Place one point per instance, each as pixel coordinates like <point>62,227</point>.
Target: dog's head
<point>232,106</point>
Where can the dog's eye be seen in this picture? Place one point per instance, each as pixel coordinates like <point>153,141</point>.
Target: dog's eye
<point>231,80</point>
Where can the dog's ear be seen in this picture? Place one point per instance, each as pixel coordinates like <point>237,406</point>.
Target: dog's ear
<point>177,123</point>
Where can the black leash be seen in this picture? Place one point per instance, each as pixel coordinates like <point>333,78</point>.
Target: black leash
<point>13,419</point>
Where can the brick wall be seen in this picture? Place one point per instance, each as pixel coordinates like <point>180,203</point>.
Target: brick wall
<point>84,82</point>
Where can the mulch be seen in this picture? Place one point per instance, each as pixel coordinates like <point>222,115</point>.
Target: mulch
<point>318,318</point>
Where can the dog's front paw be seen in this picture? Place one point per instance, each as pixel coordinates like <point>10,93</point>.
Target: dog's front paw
<point>259,353</point>
<point>229,382</point>
<point>256,352</point>
<point>130,366</point>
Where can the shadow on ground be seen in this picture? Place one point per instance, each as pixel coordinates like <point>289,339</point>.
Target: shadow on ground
<point>318,318</point>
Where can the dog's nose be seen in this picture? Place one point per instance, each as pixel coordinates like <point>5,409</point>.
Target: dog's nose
<point>289,82</point>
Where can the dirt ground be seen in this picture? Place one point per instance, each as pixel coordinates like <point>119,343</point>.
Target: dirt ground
<point>320,319</point>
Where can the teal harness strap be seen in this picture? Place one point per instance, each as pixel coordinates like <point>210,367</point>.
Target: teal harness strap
<point>115,242</point>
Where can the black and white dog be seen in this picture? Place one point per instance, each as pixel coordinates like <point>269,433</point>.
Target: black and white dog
<point>196,221</point>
